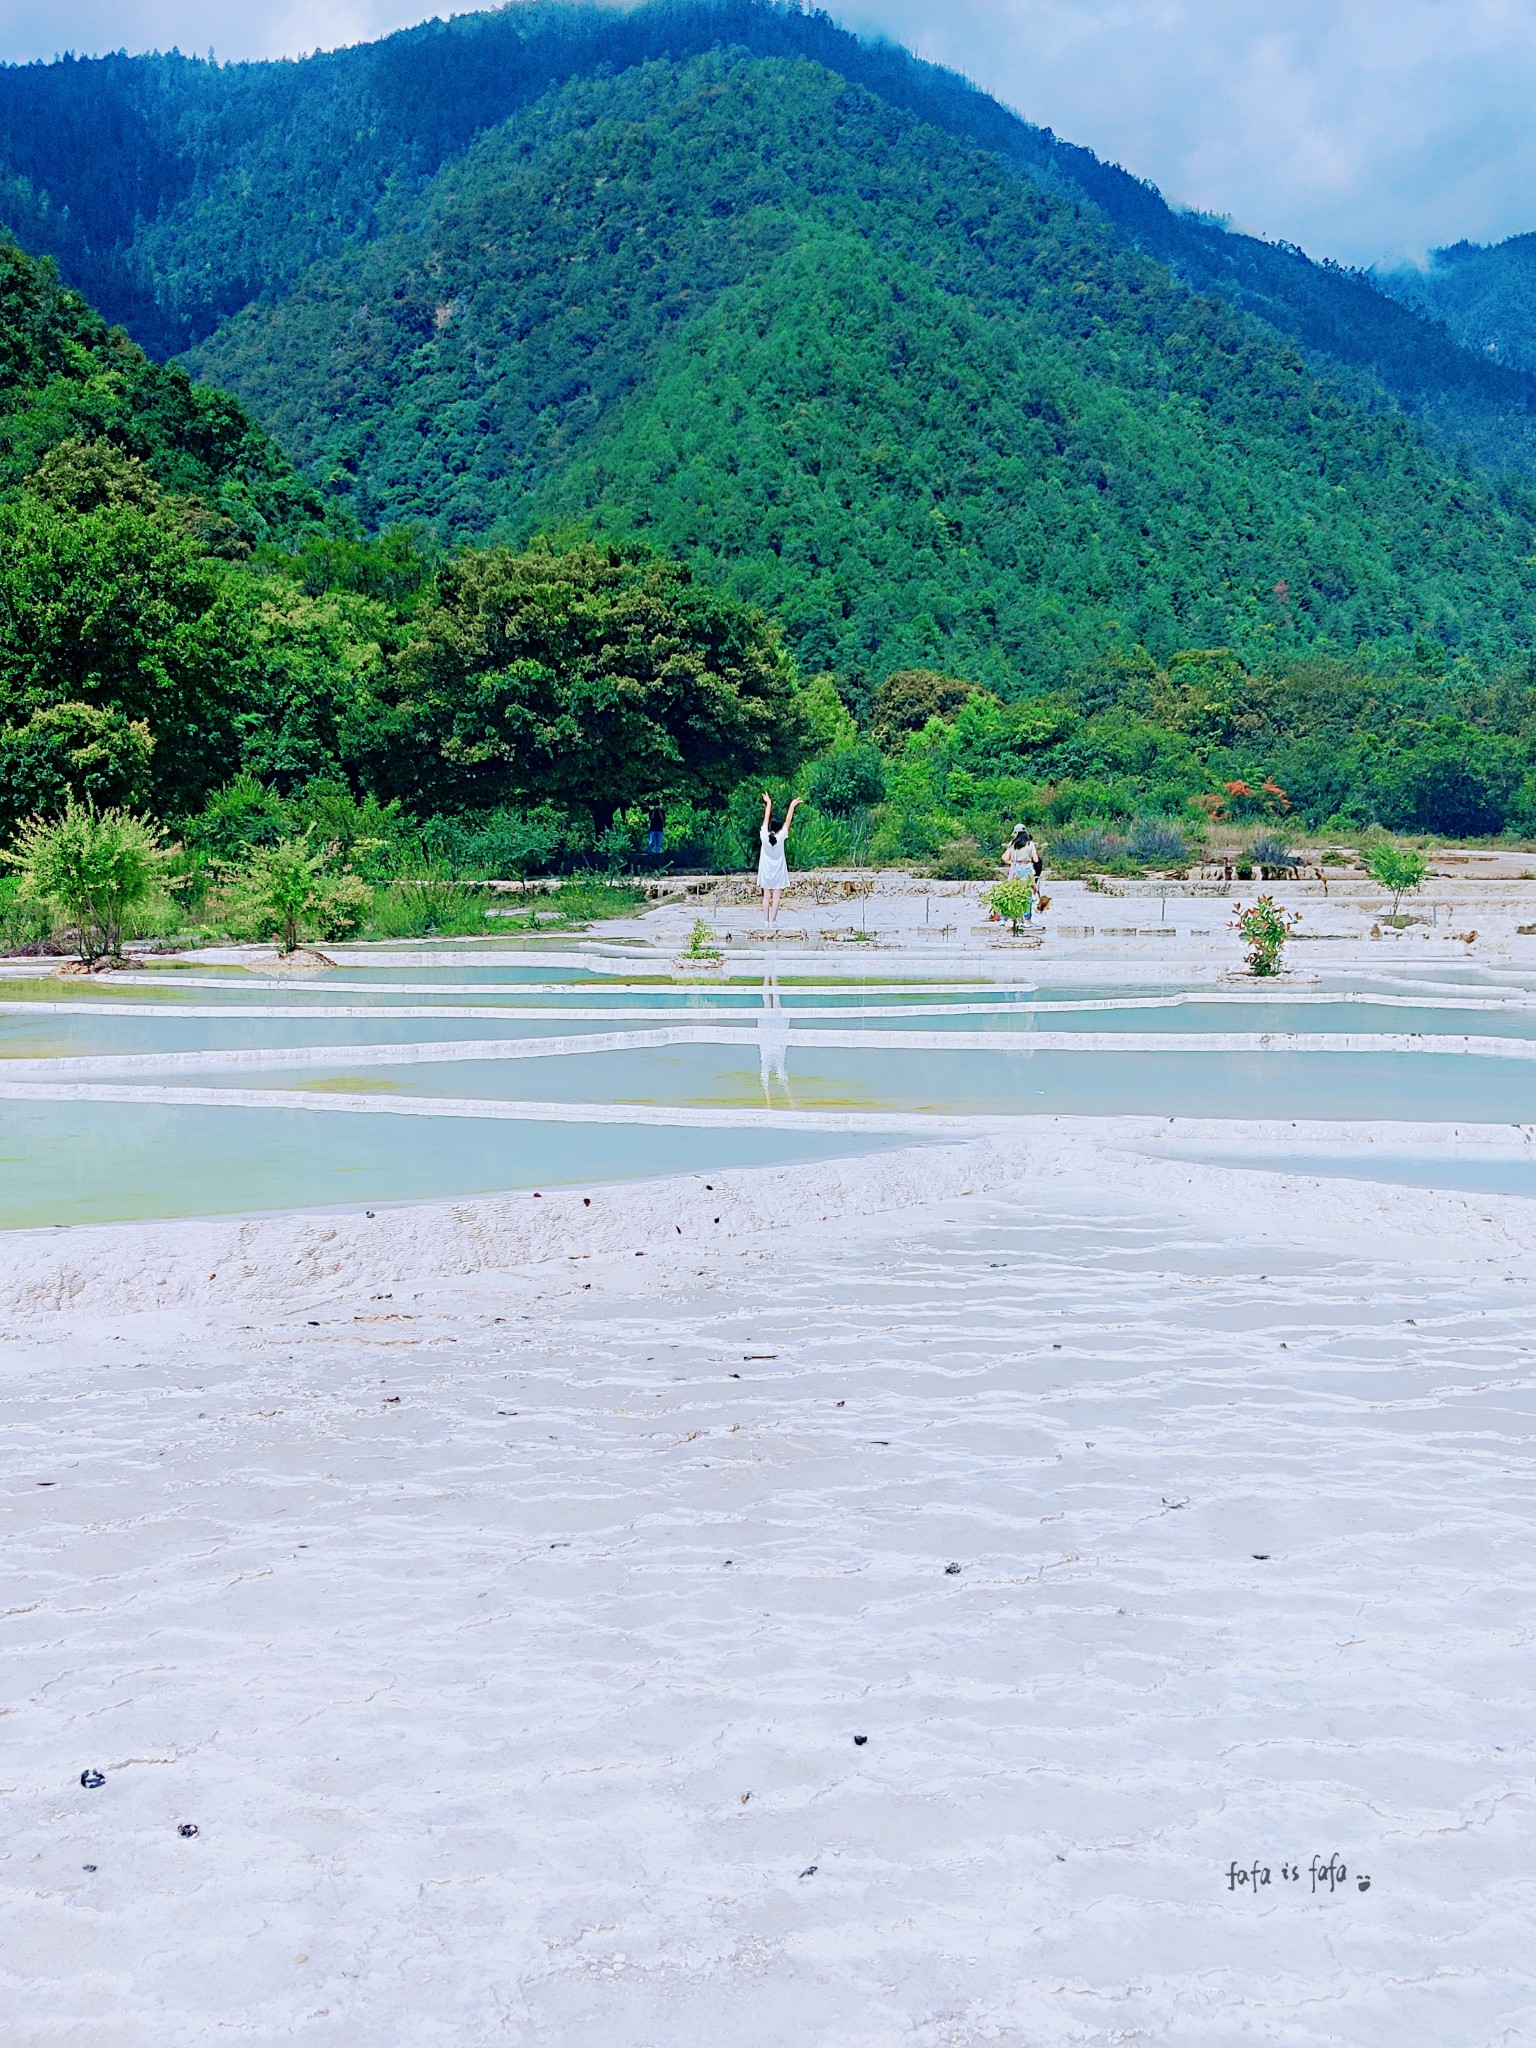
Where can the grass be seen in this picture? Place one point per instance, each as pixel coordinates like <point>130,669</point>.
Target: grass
<point>433,906</point>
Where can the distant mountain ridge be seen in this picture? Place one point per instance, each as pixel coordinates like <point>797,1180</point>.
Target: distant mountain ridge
<point>1485,294</point>
<point>174,192</point>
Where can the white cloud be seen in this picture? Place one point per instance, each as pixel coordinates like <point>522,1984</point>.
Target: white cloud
<point>232,28</point>
<point>1359,128</point>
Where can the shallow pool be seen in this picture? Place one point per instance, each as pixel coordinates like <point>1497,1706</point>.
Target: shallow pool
<point>1465,1171</point>
<point>1417,1087</point>
<point>72,1162</point>
<point>363,1028</point>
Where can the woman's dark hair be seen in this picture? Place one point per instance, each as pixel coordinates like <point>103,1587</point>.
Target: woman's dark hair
<point>1021,835</point>
<point>775,828</point>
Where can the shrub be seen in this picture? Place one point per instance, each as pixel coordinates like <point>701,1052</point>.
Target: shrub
<point>1014,901</point>
<point>94,868</point>
<point>1091,844</point>
<point>960,861</point>
<point>423,904</point>
<point>1398,868</point>
<point>585,897</point>
<point>825,842</point>
<point>1264,927</point>
<point>1158,842</point>
<point>701,943</point>
<point>1270,856</point>
<point>910,832</point>
<point>846,781</point>
<point>290,893</point>
<point>26,926</point>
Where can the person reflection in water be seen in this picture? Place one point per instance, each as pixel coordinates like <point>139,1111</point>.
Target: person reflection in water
<point>773,1043</point>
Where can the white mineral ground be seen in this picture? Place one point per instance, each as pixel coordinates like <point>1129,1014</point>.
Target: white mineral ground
<point>501,1595</point>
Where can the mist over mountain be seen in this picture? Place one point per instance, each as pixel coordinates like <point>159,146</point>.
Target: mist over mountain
<point>1485,295</point>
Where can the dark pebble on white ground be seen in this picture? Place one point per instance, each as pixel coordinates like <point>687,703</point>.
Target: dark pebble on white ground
<point>91,1779</point>
<point>187,1829</point>
<point>810,1871</point>
<point>950,1570</point>
<point>859,1741</point>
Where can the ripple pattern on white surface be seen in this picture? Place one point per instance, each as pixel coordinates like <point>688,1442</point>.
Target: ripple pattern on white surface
<point>464,1640</point>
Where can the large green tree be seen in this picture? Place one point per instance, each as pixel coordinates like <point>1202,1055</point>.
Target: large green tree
<point>117,609</point>
<point>588,676</point>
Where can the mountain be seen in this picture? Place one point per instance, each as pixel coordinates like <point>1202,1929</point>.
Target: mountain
<point>185,624</point>
<point>1484,295</point>
<point>67,376</point>
<point>923,409</point>
<point>829,324</point>
<point>132,641</point>
<point>173,191</point>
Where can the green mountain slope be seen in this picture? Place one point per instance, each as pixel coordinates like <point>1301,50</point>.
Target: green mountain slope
<point>65,374</point>
<point>1485,295</point>
<point>863,373</point>
<point>174,192</point>
<point>179,613</point>
<point>139,655</point>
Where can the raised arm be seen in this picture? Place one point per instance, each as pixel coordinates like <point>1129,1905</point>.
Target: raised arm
<point>789,815</point>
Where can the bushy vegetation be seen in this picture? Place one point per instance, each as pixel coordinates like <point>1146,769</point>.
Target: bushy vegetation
<point>1398,868</point>
<point>1264,928</point>
<point>1013,901</point>
<point>91,870</point>
<point>857,468</point>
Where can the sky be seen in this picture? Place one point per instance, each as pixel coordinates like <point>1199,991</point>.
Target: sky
<point>1365,130</point>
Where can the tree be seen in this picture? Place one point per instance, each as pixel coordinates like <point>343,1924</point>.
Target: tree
<point>115,608</point>
<point>94,868</point>
<point>72,750</point>
<point>1264,928</point>
<point>1398,868</point>
<point>1460,785</point>
<point>290,893</point>
<point>586,676</point>
<point>1015,901</point>
<point>846,781</point>
<point>830,722</point>
<point>907,699</point>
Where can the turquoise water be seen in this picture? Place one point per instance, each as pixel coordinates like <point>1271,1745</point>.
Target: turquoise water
<point>63,1162</point>
<point>1464,1172</point>
<point>1420,1087</point>
<point>66,1162</point>
<point>30,1031</point>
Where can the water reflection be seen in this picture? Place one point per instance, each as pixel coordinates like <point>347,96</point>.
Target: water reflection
<point>773,1044</point>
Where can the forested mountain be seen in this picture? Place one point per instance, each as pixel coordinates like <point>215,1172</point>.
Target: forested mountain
<point>660,390</point>
<point>920,408</point>
<point>174,191</point>
<point>1485,295</point>
<point>66,376</point>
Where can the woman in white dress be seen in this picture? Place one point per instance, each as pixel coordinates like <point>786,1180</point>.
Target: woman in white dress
<point>772,864</point>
